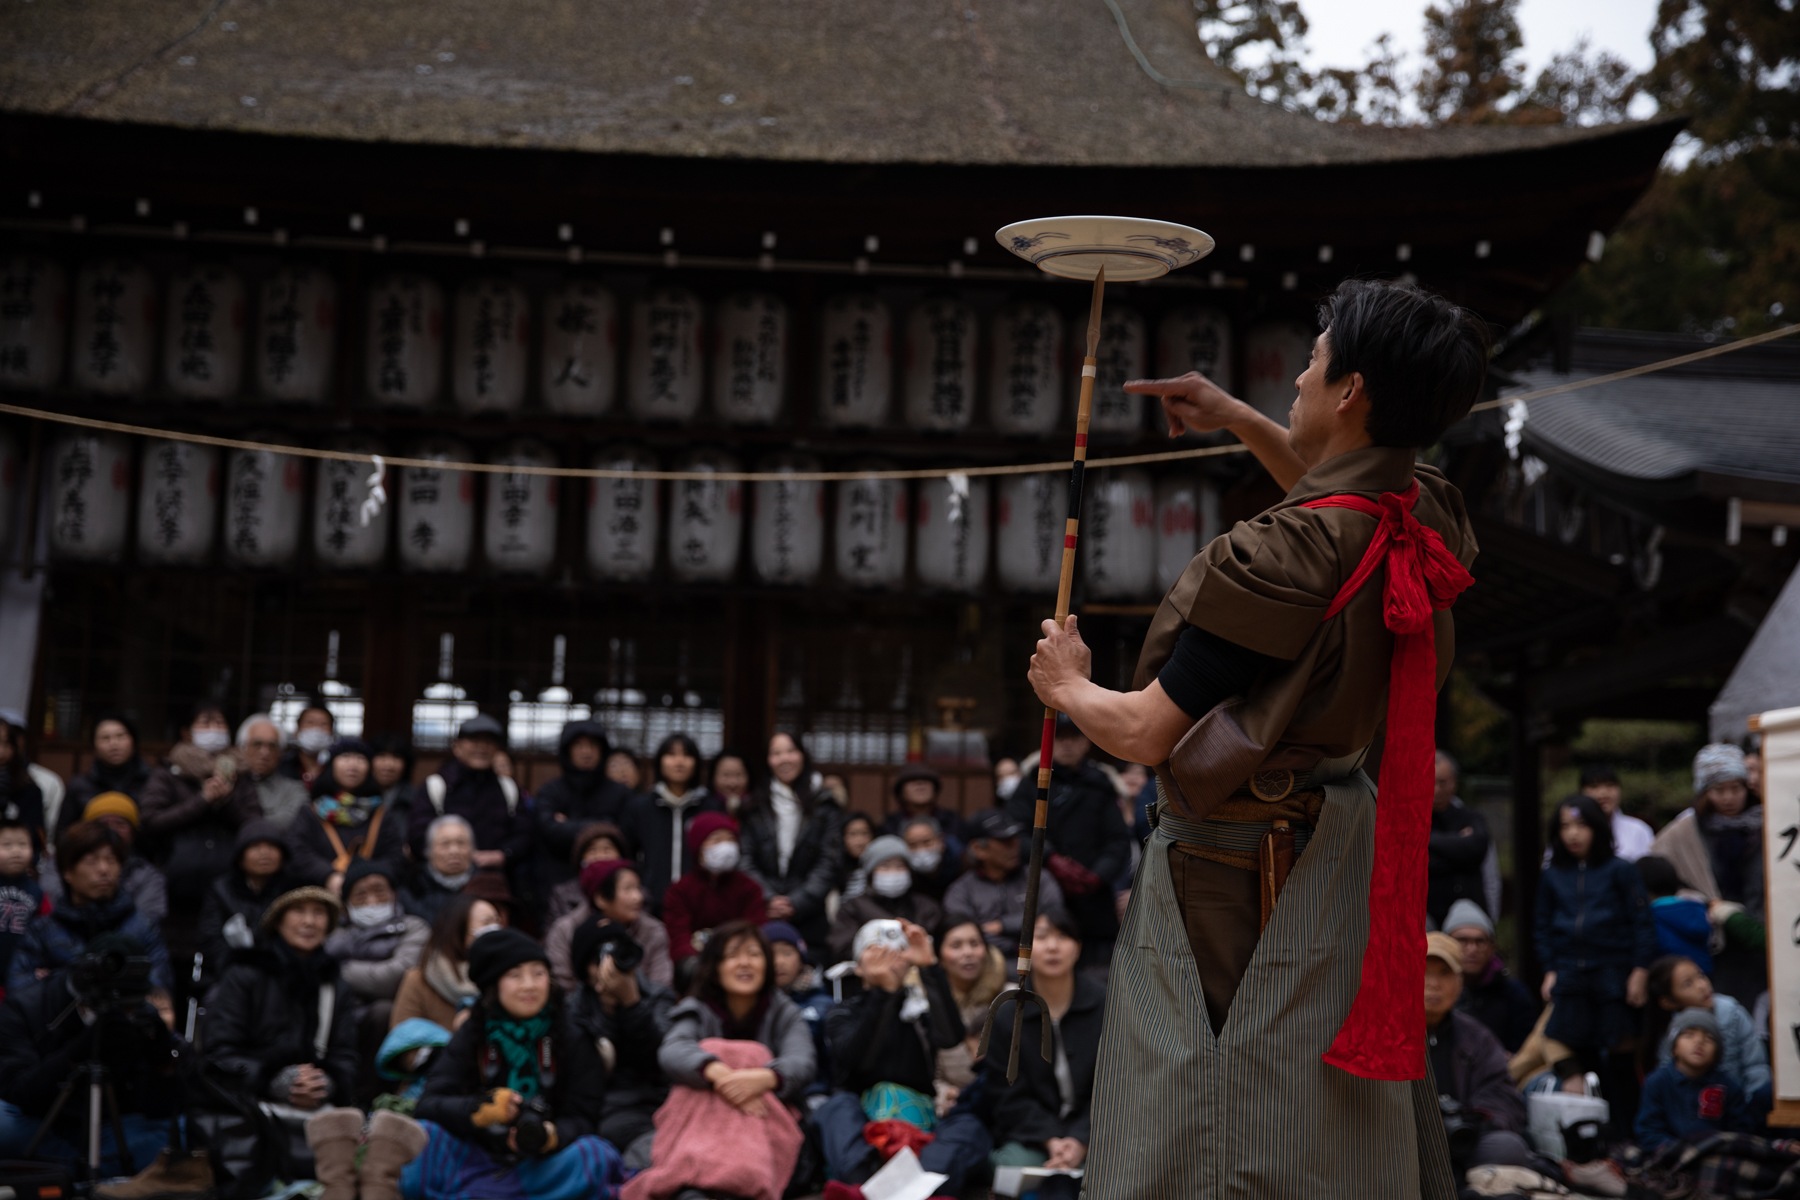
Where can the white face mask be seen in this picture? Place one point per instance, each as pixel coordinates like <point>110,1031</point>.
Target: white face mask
<point>368,916</point>
<point>925,860</point>
<point>314,741</point>
<point>213,741</point>
<point>1006,787</point>
<point>890,883</point>
<point>481,929</point>
<point>720,858</point>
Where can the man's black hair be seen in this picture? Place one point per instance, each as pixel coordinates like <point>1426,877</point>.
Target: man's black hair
<point>1421,357</point>
<point>1596,774</point>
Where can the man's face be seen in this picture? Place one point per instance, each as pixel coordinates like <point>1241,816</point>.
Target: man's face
<point>316,718</point>
<point>920,837</point>
<point>476,753</point>
<point>370,890</point>
<point>1314,418</point>
<point>261,859</point>
<point>1443,987</point>
<point>451,849</point>
<point>262,749</point>
<point>1606,795</point>
<point>113,743</point>
<point>95,878</point>
<point>584,754</point>
<point>918,793</point>
<point>1443,788</point>
<point>1070,749</point>
<point>1477,949</point>
<point>999,855</point>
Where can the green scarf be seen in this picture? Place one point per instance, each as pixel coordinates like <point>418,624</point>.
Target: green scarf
<point>517,1042</point>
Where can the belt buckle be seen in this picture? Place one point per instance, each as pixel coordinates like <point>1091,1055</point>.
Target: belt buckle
<point>1272,785</point>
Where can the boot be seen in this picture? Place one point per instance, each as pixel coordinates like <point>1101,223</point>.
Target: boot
<point>175,1175</point>
<point>332,1135</point>
<point>394,1141</point>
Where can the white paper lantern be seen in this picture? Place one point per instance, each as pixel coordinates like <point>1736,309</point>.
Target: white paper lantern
<point>340,539</point>
<point>115,319</point>
<point>871,531</point>
<point>951,517</point>
<point>1121,357</point>
<point>1118,535</point>
<point>665,366</point>
<point>624,516</point>
<point>750,367</point>
<point>706,520</point>
<point>1033,515</point>
<point>940,365</point>
<point>787,531</point>
<point>296,335</point>
<point>34,317</point>
<point>11,471</point>
<point>581,349</point>
<point>436,510</point>
<point>1025,378</point>
<point>406,341</point>
<point>519,525</point>
<point>264,502</point>
<point>1187,518</point>
<point>856,362</point>
<point>90,496</point>
<point>492,347</point>
<point>1275,354</point>
<point>203,343</point>
<point>1195,339</point>
<point>178,501</point>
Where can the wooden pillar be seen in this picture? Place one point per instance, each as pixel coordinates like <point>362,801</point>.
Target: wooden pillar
<point>1528,843</point>
<point>749,677</point>
<point>390,661</point>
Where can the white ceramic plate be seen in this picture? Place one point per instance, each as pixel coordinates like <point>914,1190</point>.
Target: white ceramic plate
<point>1129,247</point>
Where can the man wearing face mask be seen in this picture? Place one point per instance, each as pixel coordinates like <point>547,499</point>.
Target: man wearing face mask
<point>935,860</point>
<point>889,896</point>
<point>714,893</point>
<point>313,735</point>
<point>377,945</point>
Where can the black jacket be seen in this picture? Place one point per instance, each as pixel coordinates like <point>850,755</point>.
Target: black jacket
<point>578,797</point>
<point>1084,825</point>
<point>478,798</point>
<point>230,895</point>
<point>636,1034</point>
<point>1459,845</point>
<point>263,1015</point>
<point>812,869</point>
<point>1501,1003</point>
<point>311,854</point>
<point>858,911</point>
<point>456,1085</point>
<point>1029,1111</point>
<point>650,826</point>
<point>870,1044</point>
<point>423,896</point>
<point>143,1059</point>
<point>131,777</point>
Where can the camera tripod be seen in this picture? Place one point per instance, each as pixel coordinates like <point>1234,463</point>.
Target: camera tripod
<point>100,1091</point>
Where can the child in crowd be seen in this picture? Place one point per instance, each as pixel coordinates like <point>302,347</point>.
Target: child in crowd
<point>1677,984</point>
<point>20,896</point>
<point>1682,926</point>
<point>1691,1096</point>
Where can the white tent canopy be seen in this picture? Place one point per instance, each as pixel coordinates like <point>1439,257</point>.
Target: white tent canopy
<point>1768,675</point>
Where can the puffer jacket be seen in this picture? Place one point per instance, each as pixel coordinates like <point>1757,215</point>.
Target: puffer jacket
<point>572,800</point>
<point>1593,915</point>
<point>263,1016</point>
<point>457,1084</point>
<point>57,938</point>
<point>374,960</point>
<point>184,831</point>
<point>650,824</point>
<point>231,895</point>
<point>813,867</point>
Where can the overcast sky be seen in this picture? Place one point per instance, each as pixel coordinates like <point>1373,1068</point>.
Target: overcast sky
<point>1340,29</point>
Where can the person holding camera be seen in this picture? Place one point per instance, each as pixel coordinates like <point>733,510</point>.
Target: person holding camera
<point>1484,1114</point>
<point>625,1014</point>
<point>511,1105</point>
<point>90,861</point>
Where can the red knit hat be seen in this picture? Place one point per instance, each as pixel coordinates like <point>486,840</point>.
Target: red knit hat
<point>599,871</point>
<point>705,825</point>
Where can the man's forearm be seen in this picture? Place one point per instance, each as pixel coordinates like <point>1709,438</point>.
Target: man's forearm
<point>1140,727</point>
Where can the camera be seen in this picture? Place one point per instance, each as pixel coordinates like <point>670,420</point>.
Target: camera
<point>534,1114</point>
<point>1462,1128</point>
<point>110,977</point>
<point>620,947</point>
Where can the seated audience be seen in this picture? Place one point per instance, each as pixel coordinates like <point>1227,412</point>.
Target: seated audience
<point>1468,1065</point>
<point>117,767</point>
<point>472,786</point>
<point>916,791</point>
<point>232,912</point>
<point>977,973</point>
<point>377,945</point>
<point>626,1014</point>
<point>280,1024</point>
<point>137,877</point>
<point>1691,1096</point>
<point>1682,924</point>
<point>568,804</point>
<point>889,896</point>
<point>735,998</point>
<point>345,821</point>
<point>596,841</point>
<point>1677,984</point>
<point>438,992</point>
<point>935,862</point>
<point>260,743</point>
<point>511,1105</point>
<point>884,1045</point>
<point>716,892</point>
<point>192,809</point>
<point>791,839</point>
<point>730,781</point>
<point>90,858</point>
<point>21,898</point>
<point>615,891</point>
<point>448,866</point>
<point>1490,994</point>
<point>799,980</point>
<point>992,894</point>
<point>1042,1120</point>
<point>658,823</point>
<point>391,763</point>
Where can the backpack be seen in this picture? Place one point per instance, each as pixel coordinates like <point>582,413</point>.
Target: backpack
<point>436,789</point>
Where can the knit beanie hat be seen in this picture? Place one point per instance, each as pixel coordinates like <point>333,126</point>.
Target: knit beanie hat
<point>705,825</point>
<point>1466,914</point>
<point>880,850</point>
<point>599,871</point>
<point>498,951</point>
<point>300,895</point>
<point>361,868</point>
<point>1720,762</point>
<point>781,931</point>
<point>1695,1018</point>
<point>118,804</point>
<point>592,832</point>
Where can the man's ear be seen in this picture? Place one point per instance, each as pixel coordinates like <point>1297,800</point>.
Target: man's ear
<point>1352,392</point>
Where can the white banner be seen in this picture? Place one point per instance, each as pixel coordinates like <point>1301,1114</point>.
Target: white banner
<point>1781,861</point>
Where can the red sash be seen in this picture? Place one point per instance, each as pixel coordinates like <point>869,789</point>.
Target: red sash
<point>1384,1035</point>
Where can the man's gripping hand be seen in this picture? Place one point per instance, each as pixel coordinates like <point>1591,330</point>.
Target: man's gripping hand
<point>1062,660</point>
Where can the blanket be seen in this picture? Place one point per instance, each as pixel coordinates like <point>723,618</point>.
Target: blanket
<point>703,1142</point>
<point>1733,1166</point>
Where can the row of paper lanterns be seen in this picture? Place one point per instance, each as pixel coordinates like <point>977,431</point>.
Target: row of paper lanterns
<point>485,335</point>
<point>1137,534</point>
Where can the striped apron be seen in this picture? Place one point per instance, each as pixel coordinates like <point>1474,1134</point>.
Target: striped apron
<point>1254,1113</point>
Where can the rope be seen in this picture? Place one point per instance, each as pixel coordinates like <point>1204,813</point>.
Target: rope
<point>1038,468</point>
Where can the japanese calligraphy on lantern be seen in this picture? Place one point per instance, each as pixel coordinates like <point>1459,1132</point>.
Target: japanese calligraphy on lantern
<point>1030,536</point>
<point>492,346</point>
<point>581,349</point>
<point>1187,517</point>
<point>750,371</point>
<point>519,523</point>
<point>203,339</point>
<point>856,362</point>
<point>340,540</point>
<point>264,500</point>
<point>115,312</point>
<point>787,532</point>
<point>296,335</point>
<point>1195,339</point>
<point>665,367</point>
<point>1025,384</point>
<point>436,510</point>
<point>1275,353</point>
<point>871,532</point>
<point>940,365</point>
<point>1120,358</point>
<point>90,474</point>
<point>34,316</point>
<point>1781,873</point>
<point>405,358</point>
<point>178,500</point>
<point>1118,535</point>
<point>951,518</point>
<point>624,516</point>
<point>706,520</point>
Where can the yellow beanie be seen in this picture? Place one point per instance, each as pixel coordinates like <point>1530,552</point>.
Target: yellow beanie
<point>111,804</point>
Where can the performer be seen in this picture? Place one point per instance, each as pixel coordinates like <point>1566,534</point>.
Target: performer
<point>1264,1032</point>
